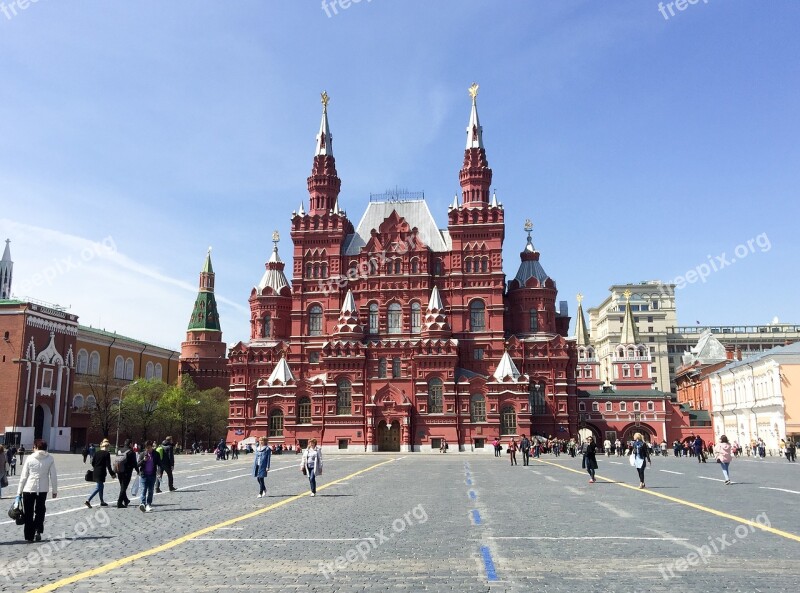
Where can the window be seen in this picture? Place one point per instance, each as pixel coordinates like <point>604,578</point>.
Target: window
<point>77,402</point>
<point>83,362</point>
<point>415,318</point>
<point>324,270</point>
<point>581,407</point>
<point>398,266</point>
<point>626,370</point>
<point>651,407</point>
<point>477,354</point>
<point>395,319</point>
<point>609,407</point>
<point>533,324</point>
<point>266,328</point>
<point>484,265</point>
<point>477,320</point>
<point>653,370</point>
<point>637,406</point>
<point>623,407</point>
<point>315,321</point>
<point>650,320</point>
<point>91,403</point>
<point>477,408</point>
<point>129,369</point>
<point>396,367</point>
<point>316,270</point>
<point>159,371</point>
<point>308,270</point>
<point>414,266</point>
<point>304,411</point>
<point>587,371</point>
<point>468,265</point>
<point>313,357</point>
<point>344,400</point>
<point>276,424</point>
<point>373,318</point>
<point>536,398</point>
<point>94,363</point>
<point>435,396</point>
<point>508,421</point>
<point>149,370</point>
<point>119,368</point>
<point>381,368</point>
<point>437,267</point>
<point>637,370</point>
<point>595,407</point>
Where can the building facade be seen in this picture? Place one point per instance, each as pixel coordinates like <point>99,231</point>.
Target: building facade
<point>395,334</point>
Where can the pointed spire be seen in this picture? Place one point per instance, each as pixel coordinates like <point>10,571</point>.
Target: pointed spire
<point>629,335</point>
<point>494,200</point>
<point>348,325</point>
<point>336,208</point>
<point>475,176</point>
<point>6,272</point>
<point>302,211</point>
<point>435,302</point>
<point>435,324</point>
<point>454,205</point>
<point>581,333</point>
<point>273,278</point>
<point>281,373</point>
<point>474,129</point>
<point>205,316</point>
<point>506,369</point>
<point>324,183</point>
<point>7,251</point>
<point>207,268</point>
<point>324,138</point>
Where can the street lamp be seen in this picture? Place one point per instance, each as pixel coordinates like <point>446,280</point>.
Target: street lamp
<point>119,411</point>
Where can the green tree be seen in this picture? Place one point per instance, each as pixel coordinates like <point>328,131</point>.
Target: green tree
<point>141,409</point>
<point>211,416</point>
<point>180,406</point>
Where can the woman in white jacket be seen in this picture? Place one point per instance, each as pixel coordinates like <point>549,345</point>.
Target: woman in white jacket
<point>38,476</point>
<point>311,465</point>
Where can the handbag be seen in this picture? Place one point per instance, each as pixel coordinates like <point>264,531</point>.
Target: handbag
<point>305,471</point>
<point>4,482</point>
<point>89,477</point>
<point>16,512</point>
<point>135,486</point>
<point>632,459</point>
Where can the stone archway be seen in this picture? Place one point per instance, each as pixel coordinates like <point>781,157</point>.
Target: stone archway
<point>42,419</point>
<point>389,436</point>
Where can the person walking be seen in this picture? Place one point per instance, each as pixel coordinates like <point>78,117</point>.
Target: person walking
<point>496,445</point>
<point>4,469</point>
<point>101,467</point>
<point>21,453</point>
<point>761,446</point>
<point>85,453</point>
<point>607,447</point>
<point>125,468</point>
<point>698,449</point>
<point>590,458</point>
<point>525,447</point>
<point>261,465</point>
<point>37,477</point>
<point>791,450</point>
<point>512,451</point>
<point>166,455</point>
<point>311,464</point>
<point>640,456</point>
<point>724,456</point>
<point>148,464</point>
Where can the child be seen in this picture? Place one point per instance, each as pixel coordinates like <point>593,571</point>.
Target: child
<point>13,466</point>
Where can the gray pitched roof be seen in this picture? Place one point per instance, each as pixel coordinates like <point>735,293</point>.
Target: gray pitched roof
<point>792,352</point>
<point>415,212</point>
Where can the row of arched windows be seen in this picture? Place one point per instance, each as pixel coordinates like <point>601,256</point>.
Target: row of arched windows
<point>89,364</point>
<point>316,270</point>
<point>79,402</point>
<point>476,265</point>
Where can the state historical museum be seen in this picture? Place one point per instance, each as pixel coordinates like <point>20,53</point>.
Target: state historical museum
<point>394,334</point>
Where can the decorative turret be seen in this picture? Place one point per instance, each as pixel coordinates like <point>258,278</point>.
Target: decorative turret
<point>6,272</point>
<point>581,333</point>
<point>475,176</point>
<point>630,358</point>
<point>435,319</point>
<point>281,373</point>
<point>348,326</point>
<point>630,334</point>
<point>271,300</point>
<point>530,266</point>
<point>204,316</point>
<point>274,279</point>
<point>506,369</point>
<point>324,183</point>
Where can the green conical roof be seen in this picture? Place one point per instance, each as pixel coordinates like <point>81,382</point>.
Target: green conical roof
<point>207,266</point>
<point>205,316</point>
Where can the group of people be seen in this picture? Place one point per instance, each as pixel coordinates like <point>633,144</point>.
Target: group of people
<point>310,465</point>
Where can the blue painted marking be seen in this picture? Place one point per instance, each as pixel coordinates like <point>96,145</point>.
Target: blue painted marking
<point>488,564</point>
<point>469,482</point>
<point>472,495</point>
<point>476,516</point>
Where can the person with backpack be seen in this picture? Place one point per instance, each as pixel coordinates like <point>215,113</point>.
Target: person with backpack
<point>166,457</point>
<point>101,467</point>
<point>147,464</point>
<point>124,465</point>
<point>724,457</point>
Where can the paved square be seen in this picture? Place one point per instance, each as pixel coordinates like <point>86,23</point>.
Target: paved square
<point>453,522</point>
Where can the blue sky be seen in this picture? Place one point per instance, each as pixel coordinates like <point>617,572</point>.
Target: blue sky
<point>135,135</point>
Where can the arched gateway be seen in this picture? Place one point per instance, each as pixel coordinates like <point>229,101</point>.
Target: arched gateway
<point>389,436</point>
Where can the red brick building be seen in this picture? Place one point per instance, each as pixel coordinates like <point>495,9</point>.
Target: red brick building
<point>394,334</point>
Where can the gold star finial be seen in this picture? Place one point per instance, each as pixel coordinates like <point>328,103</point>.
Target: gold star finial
<point>627,294</point>
<point>325,99</point>
<point>473,91</point>
<point>276,236</point>
<point>580,298</point>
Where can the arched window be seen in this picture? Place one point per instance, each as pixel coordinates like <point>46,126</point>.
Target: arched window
<point>587,371</point>
<point>477,408</point>
<point>395,319</point>
<point>315,321</point>
<point>94,363</point>
<point>637,406</point>
<point>373,318</point>
<point>468,265</point>
<point>398,266</point>
<point>637,370</point>
<point>623,407</point>
<point>536,398</point>
<point>651,407</point>
<point>83,362</point>
<point>416,321</point>
<point>159,371</point>
<point>276,424</point>
<point>91,403</point>
<point>485,265</point>
<point>119,368</point>
<point>316,270</point>
<point>382,368</point>
<point>414,266</point>
<point>344,397</point>
<point>626,370</point>
<point>396,367</point>
<point>324,270</point>
<point>533,323</point>
<point>304,411</point>
<point>508,420</point>
<point>309,269</point>
<point>266,329</point>
<point>477,316</point>
<point>609,407</point>
<point>77,402</point>
<point>435,396</point>
<point>579,372</point>
<point>149,370</point>
<point>388,267</point>
<point>129,369</point>
<point>438,267</point>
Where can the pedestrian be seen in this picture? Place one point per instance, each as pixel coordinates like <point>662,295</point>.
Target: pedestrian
<point>91,452</point>
<point>512,451</point>
<point>126,464</point>
<point>261,465</point>
<point>4,469</point>
<point>148,464</point>
<point>607,447</point>
<point>38,476</point>
<point>13,465</point>
<point>166,456</point>
<point>724,457</point>
<point>590,458</point>
<point>640,455</point>
<point>791,450</point>
<point>101,467</point>
<point>618,447</point>
<point>698,449</point>
<point>21,453</point>
<point>311,464</point>
<point>525,447</point>
<point>497,447</point>
<point>762,450</point>
<point>85,453</point>
<point>234,450</point>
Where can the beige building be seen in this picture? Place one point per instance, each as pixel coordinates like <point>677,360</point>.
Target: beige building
<point>758,397</point>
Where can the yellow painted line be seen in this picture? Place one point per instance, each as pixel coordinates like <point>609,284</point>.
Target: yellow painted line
<point>687,503</point>
<point>183,539</point>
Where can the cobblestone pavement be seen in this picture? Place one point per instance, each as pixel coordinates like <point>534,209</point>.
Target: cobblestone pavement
<point>454,522</point>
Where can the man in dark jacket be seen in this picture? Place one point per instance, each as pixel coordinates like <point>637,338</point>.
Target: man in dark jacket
<point>525,446</point>
<point>167,463</point>
<point>127,463</point>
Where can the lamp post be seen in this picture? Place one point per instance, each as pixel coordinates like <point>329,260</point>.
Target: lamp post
<point>119,412</point>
